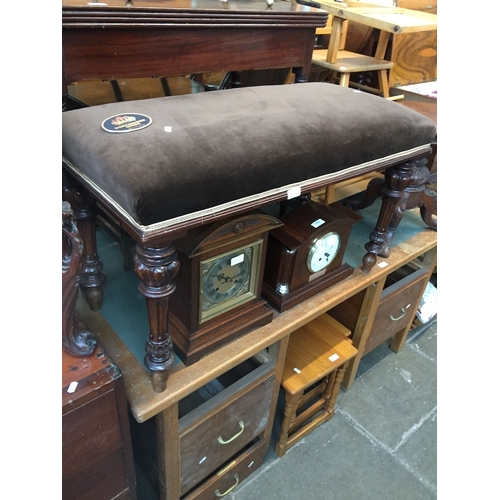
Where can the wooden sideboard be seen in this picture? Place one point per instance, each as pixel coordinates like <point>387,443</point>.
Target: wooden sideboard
<point>97,458</point>
<point>184,441</point>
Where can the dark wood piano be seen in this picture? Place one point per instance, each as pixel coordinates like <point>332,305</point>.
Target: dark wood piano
<point>141,38</point>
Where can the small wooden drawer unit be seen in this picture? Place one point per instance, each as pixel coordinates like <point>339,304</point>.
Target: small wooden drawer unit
<point>221,431</point>
<point>397,305</point>
<point>385,309</point>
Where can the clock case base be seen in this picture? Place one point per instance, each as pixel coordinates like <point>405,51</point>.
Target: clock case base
<point>191,347</point>
<point>288,246</point>
<point>286,301</point>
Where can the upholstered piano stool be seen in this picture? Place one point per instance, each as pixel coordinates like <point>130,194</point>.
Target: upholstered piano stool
<point>315,364</point>
<point>166,165</point>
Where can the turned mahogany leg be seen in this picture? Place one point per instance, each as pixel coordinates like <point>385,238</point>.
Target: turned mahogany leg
<point>76,338</point>
<point>84,209</point>
<point>394,199</point>
<point>157,268</point>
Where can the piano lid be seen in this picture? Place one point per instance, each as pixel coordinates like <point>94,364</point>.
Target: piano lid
<point>278,6</point>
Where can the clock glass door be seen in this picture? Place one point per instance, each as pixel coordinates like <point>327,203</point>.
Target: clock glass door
<point>229,279</point>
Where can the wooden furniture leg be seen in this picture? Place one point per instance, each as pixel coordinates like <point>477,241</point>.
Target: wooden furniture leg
<point>331,393</point>
<point>291,403</point>
<point>157,267</point>
<point>363,327</point>
<point>169,457</point>
<point>403,188</point>
<point>85,212</point>
<point>76,338</point>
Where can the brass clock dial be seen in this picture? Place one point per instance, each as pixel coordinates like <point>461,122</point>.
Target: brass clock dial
<point>323,251</point>
<point>228,280</point>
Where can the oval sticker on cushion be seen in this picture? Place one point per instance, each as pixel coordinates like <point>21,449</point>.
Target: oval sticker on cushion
<point>126,122</point>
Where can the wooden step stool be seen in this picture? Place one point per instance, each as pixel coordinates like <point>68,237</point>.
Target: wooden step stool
<point>316,360</point>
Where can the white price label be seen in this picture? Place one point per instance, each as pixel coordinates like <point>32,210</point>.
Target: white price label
<point>238,259</point>
<point>317,223</point>
<point>293,192</point>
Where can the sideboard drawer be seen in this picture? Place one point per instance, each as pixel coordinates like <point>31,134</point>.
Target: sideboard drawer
<point>222,426</point>
<point>232,474</point>
<point>396,308</point>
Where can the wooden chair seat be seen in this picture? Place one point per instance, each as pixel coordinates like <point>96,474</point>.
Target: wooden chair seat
<point>315,364</point>
<point>348,62</point>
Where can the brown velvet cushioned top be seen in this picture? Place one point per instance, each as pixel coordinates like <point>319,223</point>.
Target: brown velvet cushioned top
<point>233,144</point>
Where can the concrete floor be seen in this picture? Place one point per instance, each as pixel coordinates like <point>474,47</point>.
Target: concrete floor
<point>381,443</point>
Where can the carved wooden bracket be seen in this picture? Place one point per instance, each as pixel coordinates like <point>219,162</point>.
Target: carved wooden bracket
<point>76,338</point>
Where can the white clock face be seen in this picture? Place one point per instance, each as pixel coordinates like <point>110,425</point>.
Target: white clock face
<point>323,251</point>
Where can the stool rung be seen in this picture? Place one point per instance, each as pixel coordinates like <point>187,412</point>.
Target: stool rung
<point>312,393</point>
<point>307,414</point>
<point>306,429</point>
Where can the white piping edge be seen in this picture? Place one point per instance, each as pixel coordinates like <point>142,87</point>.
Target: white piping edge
<point>206,213</point>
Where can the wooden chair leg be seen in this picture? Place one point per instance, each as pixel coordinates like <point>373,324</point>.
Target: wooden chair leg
<point>383,82</point>
<point>344,79</point>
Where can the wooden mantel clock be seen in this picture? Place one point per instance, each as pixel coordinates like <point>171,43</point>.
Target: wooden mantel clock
<point>218,295</point>
<point>305,255</point>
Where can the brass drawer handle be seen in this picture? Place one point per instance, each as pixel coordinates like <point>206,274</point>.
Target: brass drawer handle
<point>242,425</point>
<point>230,489</point>
<point>399,317</point>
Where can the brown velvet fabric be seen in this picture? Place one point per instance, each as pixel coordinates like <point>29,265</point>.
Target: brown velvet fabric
<point>230,144</point>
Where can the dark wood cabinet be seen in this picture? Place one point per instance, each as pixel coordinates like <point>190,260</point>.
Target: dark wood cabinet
<point>97,460</point>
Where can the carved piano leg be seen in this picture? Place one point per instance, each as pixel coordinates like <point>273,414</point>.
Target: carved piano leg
<point>76,338</point>
<point>157,268</point>
<point>419,195</point>
<point>84,209</point>
<point>394,200</point>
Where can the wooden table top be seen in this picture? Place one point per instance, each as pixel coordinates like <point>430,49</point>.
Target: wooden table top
<point>391,19</point>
